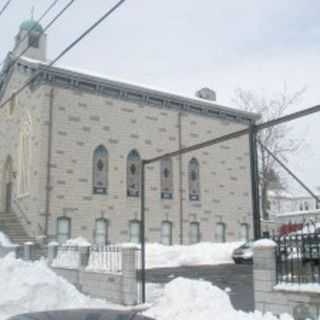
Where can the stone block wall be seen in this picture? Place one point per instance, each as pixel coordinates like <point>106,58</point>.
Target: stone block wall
<point>301,305</point>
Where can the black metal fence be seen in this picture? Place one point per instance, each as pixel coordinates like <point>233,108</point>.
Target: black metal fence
<point>298,258</point>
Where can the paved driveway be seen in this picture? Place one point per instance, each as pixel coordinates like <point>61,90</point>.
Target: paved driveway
<point>236,277</point>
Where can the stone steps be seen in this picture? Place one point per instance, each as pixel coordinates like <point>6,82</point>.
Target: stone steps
<point>11,226</point>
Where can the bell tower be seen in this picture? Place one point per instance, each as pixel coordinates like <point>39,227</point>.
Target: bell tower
<point>31,34</point>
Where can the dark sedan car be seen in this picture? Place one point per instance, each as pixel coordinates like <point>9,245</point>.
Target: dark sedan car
<point>243,254</point>
<point>82,314</point>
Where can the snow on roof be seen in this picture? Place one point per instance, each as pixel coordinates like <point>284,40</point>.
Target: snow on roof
<point>298,213</point>
<point>280,194</point>
<point>264,243</point>
<point>139,86</point>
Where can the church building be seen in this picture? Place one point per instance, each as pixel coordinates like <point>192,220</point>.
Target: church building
<point>71,145</point>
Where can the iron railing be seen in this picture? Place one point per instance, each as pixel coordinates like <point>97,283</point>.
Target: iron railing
<point>298,258</point>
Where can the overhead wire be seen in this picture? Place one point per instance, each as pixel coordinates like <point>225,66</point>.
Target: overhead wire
<point>56,17</point>
<point>66,50</point>
<point>44,14</point>
<point>5,7</point>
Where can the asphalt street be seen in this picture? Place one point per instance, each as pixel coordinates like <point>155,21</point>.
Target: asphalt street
<point>236,277</point>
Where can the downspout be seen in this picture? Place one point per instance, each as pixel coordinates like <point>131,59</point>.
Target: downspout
<point>180,177</point>
<point>48,187</point>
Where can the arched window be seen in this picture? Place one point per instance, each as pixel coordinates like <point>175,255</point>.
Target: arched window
<point>102,231</point>
<point>194,232</point>
<point>63,229</point>
<point>244,232</point>
<point>100,170</point>
<point>133,174</point>
<point>24,153</point>
<point>166,233</point>
<point>7,184</point>
<point>194,180</point>
<point>166,178</point>
<point>134,231</point>
<point>220,232</point>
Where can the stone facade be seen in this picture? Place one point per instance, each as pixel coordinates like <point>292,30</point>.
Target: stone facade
<point>71,114</point>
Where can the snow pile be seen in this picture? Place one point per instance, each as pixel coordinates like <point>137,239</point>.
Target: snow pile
<point>185,299</point>
<point>77,242</point>
<point>34,287</point>
<point>67,257</point>
<point>160,256</point>
<point>302,287</point>
<point>5,241</point>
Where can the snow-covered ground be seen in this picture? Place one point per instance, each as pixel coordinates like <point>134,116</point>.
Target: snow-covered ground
<point>32,286</point>
<point>4,240</point>
<point>160,256</point>
<point>157,255</point>
<point>185,299</point>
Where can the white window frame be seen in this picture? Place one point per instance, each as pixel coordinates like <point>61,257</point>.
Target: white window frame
<point>64,235</point>
<point>134,231</point>
<point>166,233</point>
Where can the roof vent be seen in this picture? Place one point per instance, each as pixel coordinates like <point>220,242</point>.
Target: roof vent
<point>206,94</point>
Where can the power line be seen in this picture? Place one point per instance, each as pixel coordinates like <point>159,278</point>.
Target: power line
<point>61,12</point>
<point>66,50</point>
<point>5,7</point>
<point>51,6</point>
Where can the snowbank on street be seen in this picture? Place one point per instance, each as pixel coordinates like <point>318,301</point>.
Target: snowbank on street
<point>4,240</point>
<point>32,286</point>
<point>185,299</point>
<point>203,253</point>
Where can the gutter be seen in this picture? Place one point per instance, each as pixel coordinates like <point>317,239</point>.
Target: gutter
<point>49,155</point>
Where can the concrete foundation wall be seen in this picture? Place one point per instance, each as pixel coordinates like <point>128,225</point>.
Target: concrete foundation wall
<point>301,305</point>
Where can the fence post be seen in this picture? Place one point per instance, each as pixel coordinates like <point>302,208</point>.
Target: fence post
<point>264,272</point>
<point>52,252</point>
<point>27,251</point>
<point>129,276</point>
<point>84,257</point>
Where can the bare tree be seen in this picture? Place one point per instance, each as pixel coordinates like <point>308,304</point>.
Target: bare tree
<point>276,139</point>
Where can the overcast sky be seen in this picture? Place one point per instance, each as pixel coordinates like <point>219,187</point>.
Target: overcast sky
<point>183,45</point>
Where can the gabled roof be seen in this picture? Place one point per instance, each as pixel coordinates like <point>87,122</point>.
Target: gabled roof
<point>73,78</point>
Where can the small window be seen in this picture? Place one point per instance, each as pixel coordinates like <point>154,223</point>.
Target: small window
<point>101,231</point>
<point>301,207</point>
<point>221,232</point>
<point>34,40</point>
<point>306,206</point>
<point>317,205</point>
<point>63,229</point>
<point>166,233</point>
<point>244,232</point>
<point>134,231</point>
<point>194,232</point>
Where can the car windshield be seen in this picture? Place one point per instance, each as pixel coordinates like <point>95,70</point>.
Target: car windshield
<point>247,245</point>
